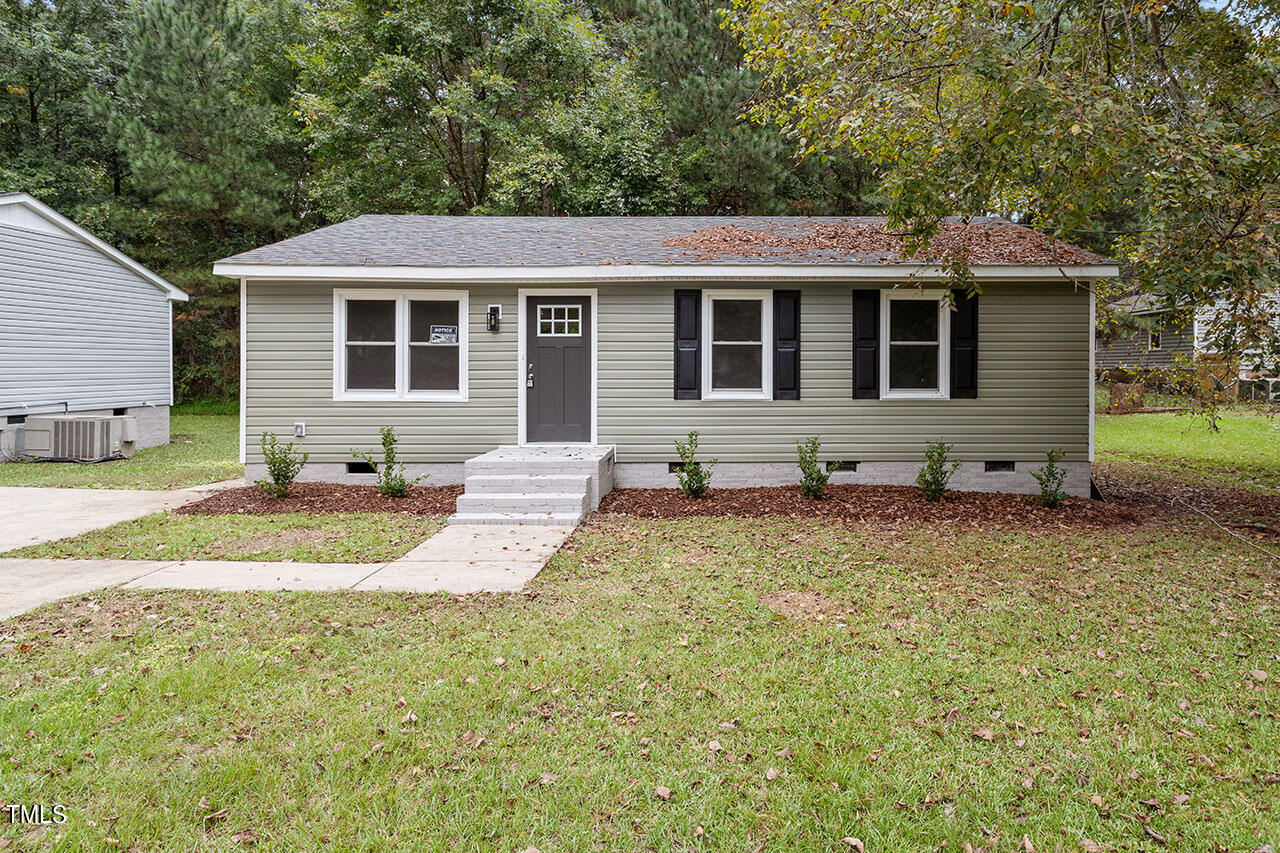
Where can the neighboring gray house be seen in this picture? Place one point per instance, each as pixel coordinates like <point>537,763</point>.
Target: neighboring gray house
<point>1173,337</point>
<point>1156,348</point>
<point>470,334</point>
<point>83,329</point>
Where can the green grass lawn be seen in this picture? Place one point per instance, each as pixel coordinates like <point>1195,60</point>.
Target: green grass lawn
<point>693,685</point>
<point>338,538</point>
<point>1244,453</point>
<point>205,449</point>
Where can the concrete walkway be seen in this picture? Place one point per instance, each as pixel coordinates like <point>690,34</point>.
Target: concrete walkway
<point>465,558</point>
<point>460,559</point>
<point>30,515</point>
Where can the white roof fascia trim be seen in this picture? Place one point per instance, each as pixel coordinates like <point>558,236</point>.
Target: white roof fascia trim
<point>84,236</point>
<point>642,272</point>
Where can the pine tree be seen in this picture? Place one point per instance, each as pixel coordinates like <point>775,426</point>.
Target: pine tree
<point>195,129</point>
<point>728,165</point>
<point>191,133</point>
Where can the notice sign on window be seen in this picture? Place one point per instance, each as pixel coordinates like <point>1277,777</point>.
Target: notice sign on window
<point>444,335</point>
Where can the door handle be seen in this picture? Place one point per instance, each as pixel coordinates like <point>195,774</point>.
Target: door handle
<point>528,383</point>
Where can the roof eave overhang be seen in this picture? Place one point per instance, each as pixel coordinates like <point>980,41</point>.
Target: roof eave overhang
<point>651,272</point>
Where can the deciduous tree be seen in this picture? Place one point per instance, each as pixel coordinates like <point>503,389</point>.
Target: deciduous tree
<point>1151,131</point>
<point>411,106</point>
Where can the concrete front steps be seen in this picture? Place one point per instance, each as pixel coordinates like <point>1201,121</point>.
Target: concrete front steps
<point>538,484</point>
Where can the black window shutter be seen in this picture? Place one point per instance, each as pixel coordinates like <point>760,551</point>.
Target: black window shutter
<point>688,361</point>
<point>964,346</point>
<point>866,344</point>
<point>786,345</point>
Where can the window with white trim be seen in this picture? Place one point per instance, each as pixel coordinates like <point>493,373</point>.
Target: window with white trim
<point>400,345</point>
<point>1153,339</point>
<point>559,321</point>
<point>737,330</point>
<point>914,351</point>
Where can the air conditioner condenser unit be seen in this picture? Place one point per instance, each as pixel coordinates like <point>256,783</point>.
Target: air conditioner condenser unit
<point>82,438</point>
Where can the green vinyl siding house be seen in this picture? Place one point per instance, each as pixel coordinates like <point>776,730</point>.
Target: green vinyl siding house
<point>469,334</point>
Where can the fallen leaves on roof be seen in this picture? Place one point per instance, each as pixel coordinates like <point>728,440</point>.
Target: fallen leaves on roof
<point>995,243</point>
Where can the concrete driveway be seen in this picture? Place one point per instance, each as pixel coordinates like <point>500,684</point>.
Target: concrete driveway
<point>30,515</point>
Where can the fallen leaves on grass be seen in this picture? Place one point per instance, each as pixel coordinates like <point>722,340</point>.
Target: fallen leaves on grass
<point>246,837</point>
<point>213,816</point>
<point>281,540</point>
<point>663,793</point>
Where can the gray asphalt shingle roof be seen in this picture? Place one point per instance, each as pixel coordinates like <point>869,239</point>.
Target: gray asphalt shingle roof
<point>504,241</point>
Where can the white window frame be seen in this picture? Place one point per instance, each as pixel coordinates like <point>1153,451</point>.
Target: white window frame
<point>553,333</point>
<point>1155,339</point>
<point>765,297</point>
<point>943,391</point>
<point>402,299</point>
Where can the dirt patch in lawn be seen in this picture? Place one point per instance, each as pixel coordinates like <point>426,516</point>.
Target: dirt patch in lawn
<point>883,506</point>
<point>800,604</point>
<point>326,498</point>
<point>1239,509</point>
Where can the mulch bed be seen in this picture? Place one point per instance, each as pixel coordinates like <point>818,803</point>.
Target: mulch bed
<point>1131,502</point>
<point>326,498</point>
<point>886,506</point>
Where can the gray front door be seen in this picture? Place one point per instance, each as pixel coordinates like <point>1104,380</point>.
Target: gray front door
<point>558,368</point>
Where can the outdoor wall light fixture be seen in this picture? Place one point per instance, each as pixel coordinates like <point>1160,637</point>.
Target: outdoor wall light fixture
<point>493,318</point>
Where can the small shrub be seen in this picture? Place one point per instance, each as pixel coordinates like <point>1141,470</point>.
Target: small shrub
<point>694,477</point>
<point>936,471</point>
<point>1051,478</point>
<point>392,482</point>
<point>813,480</point>
<point>283,465</point>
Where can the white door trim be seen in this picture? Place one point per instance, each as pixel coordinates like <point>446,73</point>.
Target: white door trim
<point>522,308</point>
